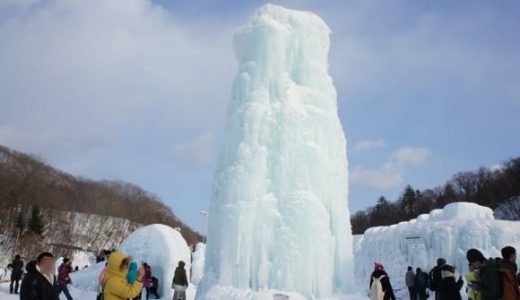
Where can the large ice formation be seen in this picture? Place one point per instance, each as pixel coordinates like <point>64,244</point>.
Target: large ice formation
<point>197,263</point>
<point>279,218</point>
<point>446,233</point>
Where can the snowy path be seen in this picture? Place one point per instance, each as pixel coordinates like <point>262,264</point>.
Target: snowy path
<point>76,294</point>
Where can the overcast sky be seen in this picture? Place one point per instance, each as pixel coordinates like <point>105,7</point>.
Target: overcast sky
<point>137,89</point>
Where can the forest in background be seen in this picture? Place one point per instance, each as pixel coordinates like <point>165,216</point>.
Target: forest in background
<point>30,190</point>
<point>499,187</point>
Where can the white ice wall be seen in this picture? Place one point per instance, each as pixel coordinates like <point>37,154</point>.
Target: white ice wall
<point>446,233</point>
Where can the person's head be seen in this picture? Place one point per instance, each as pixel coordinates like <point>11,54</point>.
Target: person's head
<point>509,254</point>
<point>378,267</point>
<point>475,258</point>
<point>447,271</point>
<point>470,267</point>
<point>67,261</point>
<point>45,262</point>
<point>118,264</point>
<point>410,268</point>
<point>17,256</point>
<point>125,264</point>
<point>418,271</point>
<point>181,264</point>
<point>441,262</point>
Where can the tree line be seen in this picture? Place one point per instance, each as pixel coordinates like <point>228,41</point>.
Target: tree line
<point>29,183</point>
<point>486,187</point>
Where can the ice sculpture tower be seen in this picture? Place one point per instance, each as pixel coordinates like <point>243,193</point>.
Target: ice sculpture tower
<point>279,217</point>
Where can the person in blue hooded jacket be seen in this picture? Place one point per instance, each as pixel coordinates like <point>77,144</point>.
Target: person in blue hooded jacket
<point>131,277</point>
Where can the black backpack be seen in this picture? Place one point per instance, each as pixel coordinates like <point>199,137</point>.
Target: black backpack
<point>434,278</point>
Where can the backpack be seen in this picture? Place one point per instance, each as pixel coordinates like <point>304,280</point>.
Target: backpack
<point>434,278</point>
<point>490,286</point>
<point>376,290</point>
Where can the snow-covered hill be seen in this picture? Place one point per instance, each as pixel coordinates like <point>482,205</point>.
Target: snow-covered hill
<point>71,234</point>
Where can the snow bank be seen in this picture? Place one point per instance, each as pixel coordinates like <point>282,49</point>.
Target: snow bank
<point>279,216</point>
<point>446,233</point>
<point>197,264</point>
<point>87,279</point>
<point>161,246</point>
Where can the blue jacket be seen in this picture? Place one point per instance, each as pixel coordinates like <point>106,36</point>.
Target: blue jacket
<point>131,277</point>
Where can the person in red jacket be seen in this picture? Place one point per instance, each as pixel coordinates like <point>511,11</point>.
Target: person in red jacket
<point>147,281</point>
<point>63,277</point>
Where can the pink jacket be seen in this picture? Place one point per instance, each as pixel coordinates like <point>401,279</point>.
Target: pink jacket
<point>147,280</point>
<point>102,275</point>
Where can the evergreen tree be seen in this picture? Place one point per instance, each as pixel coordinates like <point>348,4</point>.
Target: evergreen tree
<point>408,201</point>
<point>20,222</point>
<point>36,220</point>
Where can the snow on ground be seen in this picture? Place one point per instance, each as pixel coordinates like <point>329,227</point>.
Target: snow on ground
<point>75,293</point>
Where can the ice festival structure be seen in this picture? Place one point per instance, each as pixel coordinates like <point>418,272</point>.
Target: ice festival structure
<point>446,233</point>
<point>279,218</point>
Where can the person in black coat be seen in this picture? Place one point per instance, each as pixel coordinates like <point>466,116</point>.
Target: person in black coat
<point>180,282</point>
<point>40,282</point>
<point>449,289</point>
<point>435,276</point>
<point>421,283</point>
<point>16,274</point>
<point>379,271</point>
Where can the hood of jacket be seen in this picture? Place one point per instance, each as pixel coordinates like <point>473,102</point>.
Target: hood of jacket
<point>114,262</point>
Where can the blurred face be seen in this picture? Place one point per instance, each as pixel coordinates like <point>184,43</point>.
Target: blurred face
<point>513,258</point>
<point>475,265</point>
<point>124,264</point>
<point>47,265</point>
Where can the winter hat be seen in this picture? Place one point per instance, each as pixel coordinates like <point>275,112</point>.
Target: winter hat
<point>378,267</point>
<point>441,261</point>
<point>474,255</point>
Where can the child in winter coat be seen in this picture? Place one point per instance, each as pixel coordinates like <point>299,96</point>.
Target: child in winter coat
<point>449,289</point>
